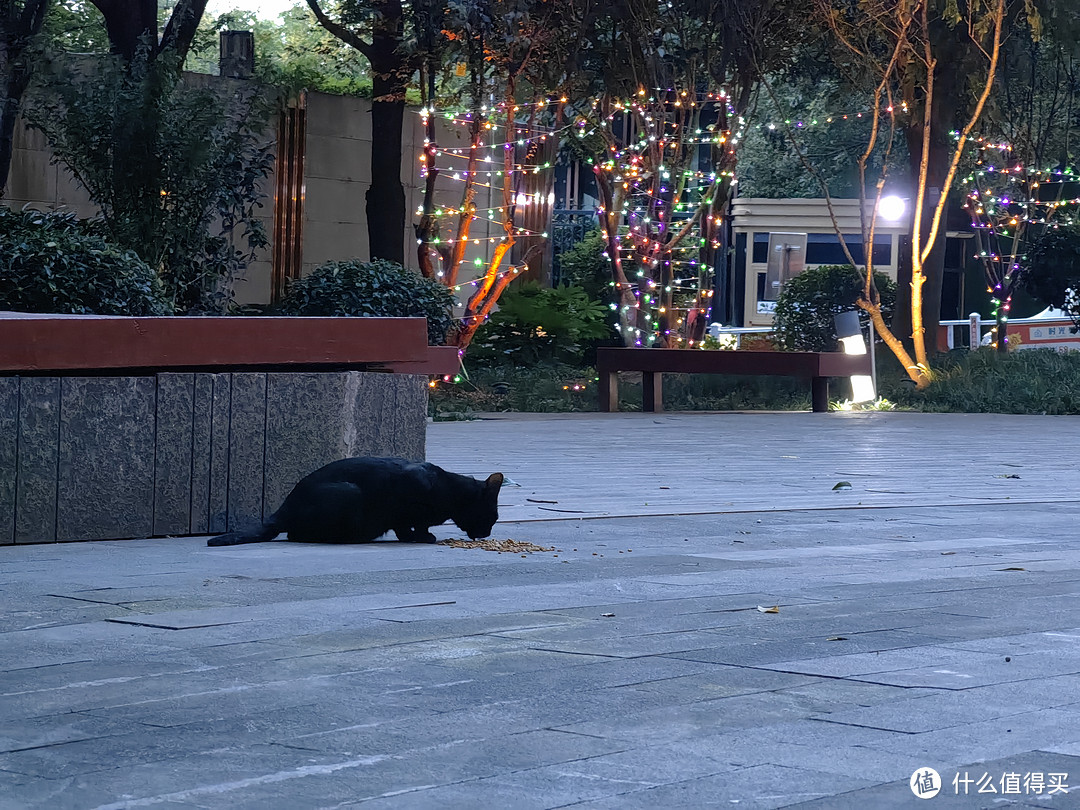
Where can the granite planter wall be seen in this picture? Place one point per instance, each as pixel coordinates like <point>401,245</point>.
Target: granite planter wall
<point>109,457</point>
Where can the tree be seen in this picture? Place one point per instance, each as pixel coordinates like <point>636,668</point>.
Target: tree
<point>174,170</point>
<point>386,23</point>
<point>1054,277</point>
<point>20,24</point>
<point>132,25</point>
<point>1023,184</point>
<point>511,51</point>
<point>912,50</point>
<point>679,86</point>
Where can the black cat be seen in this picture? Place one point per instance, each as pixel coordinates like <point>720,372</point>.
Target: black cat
<point>356,500</point>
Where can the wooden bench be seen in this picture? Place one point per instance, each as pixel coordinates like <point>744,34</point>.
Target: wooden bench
<point>652,363</point>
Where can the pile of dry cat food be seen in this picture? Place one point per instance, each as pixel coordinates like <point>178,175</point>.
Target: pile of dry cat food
<point>501,546</point>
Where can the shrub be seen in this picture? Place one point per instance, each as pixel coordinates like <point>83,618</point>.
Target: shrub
<point>374,289</point>
<point>1037,381</point>
<point>51,262</point>
<point>175,169</point>
<point>535,324</point>
<point>808,302</point>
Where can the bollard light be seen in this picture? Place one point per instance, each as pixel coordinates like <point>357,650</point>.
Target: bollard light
<point>849,333</point>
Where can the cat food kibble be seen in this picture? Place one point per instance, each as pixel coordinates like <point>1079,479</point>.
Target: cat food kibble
<point>515,546</point>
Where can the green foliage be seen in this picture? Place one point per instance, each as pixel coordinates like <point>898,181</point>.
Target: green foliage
<point>293,52</point>
<point>545,388</point>
<point>174,168</point>
<point>535,325</point>
<point>1053,275</point>
<point>808,302</point>
<point>559,388</point>
<point>770,167</point>
<point>375,289</point>
<point>1037,381</point>
<point>585,266</point>
<point>49,262</point>
<point>75,26</point>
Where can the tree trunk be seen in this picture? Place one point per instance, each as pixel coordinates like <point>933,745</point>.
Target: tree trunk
<point>9,111</point>
<point>386,196</point>
<point>934,266</point>
<point>15,68</point>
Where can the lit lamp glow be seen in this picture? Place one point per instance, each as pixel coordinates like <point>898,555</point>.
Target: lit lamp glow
<point>892,208</point>
<point>849,333</point>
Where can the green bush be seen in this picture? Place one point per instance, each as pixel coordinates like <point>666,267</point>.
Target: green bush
<point>1038,381</point>
<point>52,262</point>
<point>374,289</point>
<point>808,302</point>
<point>536,324</point>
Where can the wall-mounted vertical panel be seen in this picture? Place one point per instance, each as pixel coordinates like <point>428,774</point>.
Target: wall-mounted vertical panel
<point>9,408</point>
<point>35,490</point>
<point>105,484</point>
<point>247,450</point>
<point>172,461</point>
<point>409,416</point>
<point>306,420</point>
<point>203,399</point>
<point>219,453</point>
<point>389,415</point>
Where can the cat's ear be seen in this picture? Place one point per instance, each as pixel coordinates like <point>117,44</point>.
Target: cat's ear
<point>494,482</point>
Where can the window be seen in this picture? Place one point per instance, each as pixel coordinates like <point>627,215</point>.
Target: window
<point>824,248</point>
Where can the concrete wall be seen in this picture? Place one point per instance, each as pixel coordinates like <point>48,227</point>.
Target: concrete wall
<point>337,176</point>
<point>90,458</point>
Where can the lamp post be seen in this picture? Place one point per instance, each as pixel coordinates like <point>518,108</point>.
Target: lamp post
<point>849,333</point>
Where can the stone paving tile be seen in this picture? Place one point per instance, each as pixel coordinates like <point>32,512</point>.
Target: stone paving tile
<point>998,738</point>
<point>822,646</point>
<point>760,787</point>
<point>378,675</point>
<point>700,718</point>
<point>931,712</point>
<point>953,783</point>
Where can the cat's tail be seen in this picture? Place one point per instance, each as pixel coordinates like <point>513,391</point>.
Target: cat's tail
<point>267,531</point>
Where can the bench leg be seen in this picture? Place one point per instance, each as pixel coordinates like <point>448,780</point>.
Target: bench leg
<point>609,391</point>
<point>652,391</point>
<point>819,394</point>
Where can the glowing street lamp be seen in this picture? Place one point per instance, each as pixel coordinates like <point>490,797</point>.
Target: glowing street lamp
<point>849,333</point>
<point>892,208</point>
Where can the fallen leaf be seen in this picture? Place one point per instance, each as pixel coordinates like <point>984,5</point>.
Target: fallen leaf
<point>842,485</point>
<point>773,609</point>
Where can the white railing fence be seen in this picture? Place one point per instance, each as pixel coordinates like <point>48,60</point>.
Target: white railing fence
<point>974,324</point>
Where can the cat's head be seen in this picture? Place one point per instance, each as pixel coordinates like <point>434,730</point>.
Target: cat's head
<point>477,516</point>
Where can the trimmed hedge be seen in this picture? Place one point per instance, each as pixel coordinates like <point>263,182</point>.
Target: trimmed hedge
<point>374,289</point>
<point>50,262</point>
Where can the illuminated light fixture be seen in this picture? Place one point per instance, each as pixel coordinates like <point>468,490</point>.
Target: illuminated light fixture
<point>849,333</point>
<point>892,208</point>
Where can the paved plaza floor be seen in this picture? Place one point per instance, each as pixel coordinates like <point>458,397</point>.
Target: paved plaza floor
<point>740,610</point>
